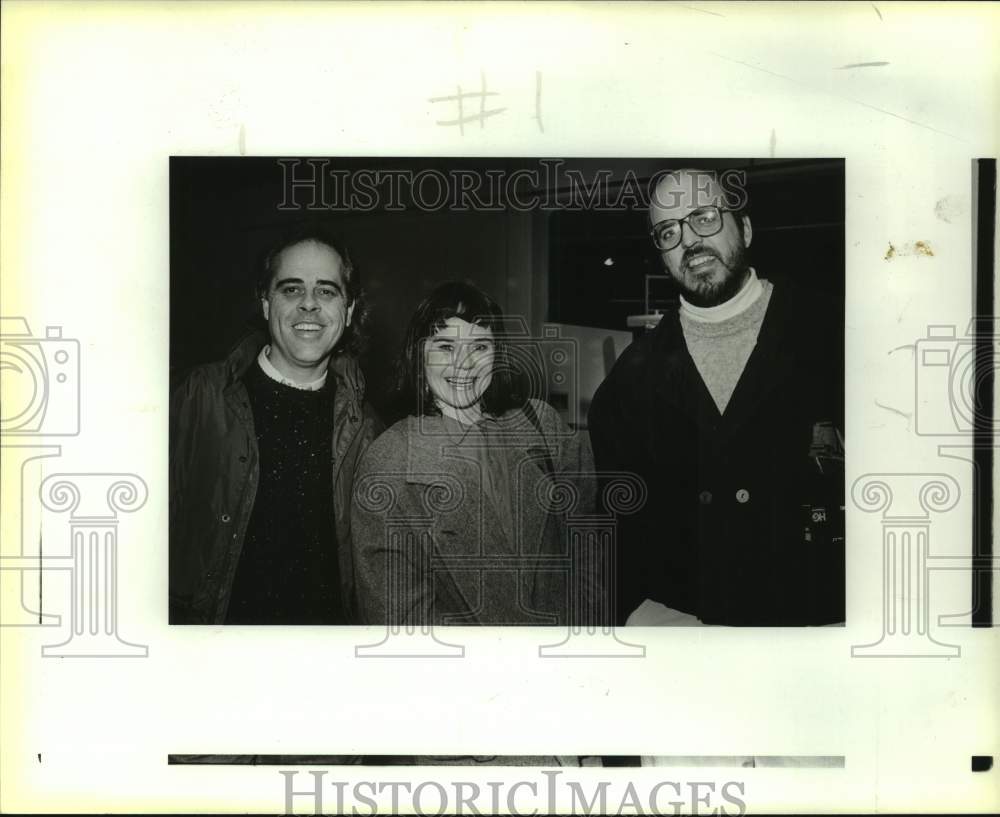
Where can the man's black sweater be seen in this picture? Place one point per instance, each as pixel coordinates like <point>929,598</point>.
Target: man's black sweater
<point>287,572</point>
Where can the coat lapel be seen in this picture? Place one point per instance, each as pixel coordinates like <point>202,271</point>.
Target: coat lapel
<point>676,383</point>
<point>770,366</point>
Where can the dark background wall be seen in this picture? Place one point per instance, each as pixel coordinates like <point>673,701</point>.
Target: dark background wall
<point>797,212</point>
<point>543,264</point>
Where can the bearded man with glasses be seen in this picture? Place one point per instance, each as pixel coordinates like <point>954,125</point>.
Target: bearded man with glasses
<point>731,411</point>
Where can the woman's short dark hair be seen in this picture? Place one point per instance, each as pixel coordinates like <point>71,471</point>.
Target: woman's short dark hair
<point>321,233</point>
<point>456,299</point>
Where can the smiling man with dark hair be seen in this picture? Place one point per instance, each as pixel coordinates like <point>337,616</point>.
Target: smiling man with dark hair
<point>262,452</point>
<point>731,411</point>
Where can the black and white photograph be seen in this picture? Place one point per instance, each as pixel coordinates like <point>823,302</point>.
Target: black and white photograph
<point>586,393</point>
<point>498,407</point>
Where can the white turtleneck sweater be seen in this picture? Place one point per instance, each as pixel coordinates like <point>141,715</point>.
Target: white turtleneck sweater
<point>264,361</point>
<point>721,338</point>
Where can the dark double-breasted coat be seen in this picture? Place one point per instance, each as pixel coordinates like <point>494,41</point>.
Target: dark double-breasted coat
<point>743,522</point>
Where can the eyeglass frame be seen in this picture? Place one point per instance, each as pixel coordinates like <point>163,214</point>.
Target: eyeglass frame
<point>681,222</point>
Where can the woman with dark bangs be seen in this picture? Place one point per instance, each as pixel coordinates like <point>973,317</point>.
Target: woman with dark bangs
<point>459,509</point>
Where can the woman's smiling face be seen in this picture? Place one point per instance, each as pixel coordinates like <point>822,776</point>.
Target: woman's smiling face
<point>458,360</point>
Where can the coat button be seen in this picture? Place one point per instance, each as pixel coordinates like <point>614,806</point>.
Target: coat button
<point>226,517</point>
<point>705,497</point>
<point>243,458</point>
<point>742,496</point>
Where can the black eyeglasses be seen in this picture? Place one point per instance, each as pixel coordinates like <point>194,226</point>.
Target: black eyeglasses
<point>705,221</point>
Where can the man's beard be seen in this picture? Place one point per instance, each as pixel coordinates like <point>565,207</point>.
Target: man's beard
<point>712,293</point>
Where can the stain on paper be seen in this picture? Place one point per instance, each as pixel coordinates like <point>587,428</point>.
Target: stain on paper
<point>909,248</point>
<point>950,208</point>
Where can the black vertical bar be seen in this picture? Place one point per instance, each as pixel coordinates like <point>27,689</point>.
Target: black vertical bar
<point>554,312</point>
<point>983,436</point>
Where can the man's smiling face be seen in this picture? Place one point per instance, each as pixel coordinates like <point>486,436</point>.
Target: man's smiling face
<point>708,269</point>
<point>306,309</point>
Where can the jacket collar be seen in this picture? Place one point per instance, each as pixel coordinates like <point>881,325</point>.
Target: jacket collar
<point>436,444</point>
<point>431,446</point>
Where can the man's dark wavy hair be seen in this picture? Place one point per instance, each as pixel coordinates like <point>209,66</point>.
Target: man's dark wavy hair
<point>355,335</point>
<point>457,299</point>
